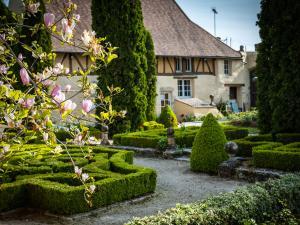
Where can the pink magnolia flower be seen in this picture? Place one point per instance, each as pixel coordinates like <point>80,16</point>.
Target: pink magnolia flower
<point>78,171</point>
<point>58,69</point>
<point>69,106</point>
<point>60,97</point>
<point>27,103</point>
<point>85,177</point>
<point>77,17</point>
<point>33,8</point>
<point>20,57</point>
<point>68,88</point>
<point>49,19</point>
<point>24,76</point>
<point>6,148</point>
<point>55,91</point>
<point>3,69</point>
<point>45,136</point>
<point>92,188</point>
<point>87,105</point>
<point>67,29</point>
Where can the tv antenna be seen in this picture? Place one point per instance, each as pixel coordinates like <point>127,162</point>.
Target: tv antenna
<point>214,10</point>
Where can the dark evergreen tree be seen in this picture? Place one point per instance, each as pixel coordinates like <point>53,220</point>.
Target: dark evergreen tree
<point>278,66</point>
<point>151,75</point>
<point>122,23</point>
<point>42,37</point>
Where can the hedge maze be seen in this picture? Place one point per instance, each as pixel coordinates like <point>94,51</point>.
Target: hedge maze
<point>184,136</point>
<point>38,177</point>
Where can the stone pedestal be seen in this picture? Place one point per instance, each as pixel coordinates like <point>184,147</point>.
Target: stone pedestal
<point>104,135</point>
<point>171,139</point>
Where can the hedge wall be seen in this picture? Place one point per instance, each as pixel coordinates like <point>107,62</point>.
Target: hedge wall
<point>37,178</point>
<point>255,204</point>
<point>278,156</point>
<point>246,144</point>
<point>184,137</point>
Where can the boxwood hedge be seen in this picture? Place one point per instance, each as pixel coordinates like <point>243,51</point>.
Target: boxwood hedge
<point>184,137</point>
<point>35,177</point>
<point>255,204</point>
<point>246,144</point>
<point>278,156</point>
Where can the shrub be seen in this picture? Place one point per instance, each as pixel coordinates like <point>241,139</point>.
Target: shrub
<point>152,125</point>
<point>208,147</point>
<point>47,181</point>
<point>168,117</point>
<point>256,203</point>
<point>243,118</point>
<point>278,156</point>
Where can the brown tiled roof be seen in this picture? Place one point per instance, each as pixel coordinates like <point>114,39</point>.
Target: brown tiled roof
<point>174,34</point>
<point>84,10</point>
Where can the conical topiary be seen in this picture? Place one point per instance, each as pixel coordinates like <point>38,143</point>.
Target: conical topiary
<point>168,117</point>
<point>208,147</point>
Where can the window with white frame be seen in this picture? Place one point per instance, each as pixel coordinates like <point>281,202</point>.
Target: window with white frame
<point>184,88</point>
<point>226,67</point>
<point>165,99</point>
<point>188,65</point>
<point>178,62</point>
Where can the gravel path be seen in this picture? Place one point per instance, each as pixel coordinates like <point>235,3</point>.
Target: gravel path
<point>175,184</point>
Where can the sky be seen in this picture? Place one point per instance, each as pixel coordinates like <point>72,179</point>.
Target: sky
<point>236,19</point>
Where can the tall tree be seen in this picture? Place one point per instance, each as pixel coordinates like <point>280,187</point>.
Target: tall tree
<point>122,23</point>
<point>278,66</point>
<point>151,75</point>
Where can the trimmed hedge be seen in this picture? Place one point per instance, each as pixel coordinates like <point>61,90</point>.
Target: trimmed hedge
<point>184,137</point>
<point>208,147</point>
<point>278,156</point>
<point>246,144</point>
<point>152,125</point>
<point>257,204</point>
<point>46,181</point>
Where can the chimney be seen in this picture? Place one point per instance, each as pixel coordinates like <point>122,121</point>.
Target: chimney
<point>241,48</point>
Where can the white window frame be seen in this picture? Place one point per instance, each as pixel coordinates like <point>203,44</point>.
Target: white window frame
<point>184,88</point>
<point>163,101</point>
<point>227,69</point>
<point>188,65</point>
<point>178,65</point>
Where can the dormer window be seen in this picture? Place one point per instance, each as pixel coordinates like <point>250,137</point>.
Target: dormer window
<point>188,65</point>
<point>178,62</point>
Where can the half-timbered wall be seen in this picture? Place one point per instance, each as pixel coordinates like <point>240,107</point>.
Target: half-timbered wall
<point>73,61</point>
<point>167,65</point>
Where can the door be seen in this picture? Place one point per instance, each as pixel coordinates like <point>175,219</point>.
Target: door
<point>233,93</point>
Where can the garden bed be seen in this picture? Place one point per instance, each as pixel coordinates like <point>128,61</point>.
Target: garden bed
<point>35,177</point>
<point>184,137</point>
<point>269,203</point>
<point>248,143</point>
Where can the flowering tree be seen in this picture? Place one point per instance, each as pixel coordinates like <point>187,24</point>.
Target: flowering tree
<point>27,108</point>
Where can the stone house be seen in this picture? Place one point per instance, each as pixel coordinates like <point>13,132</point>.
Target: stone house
<point>192,64</point>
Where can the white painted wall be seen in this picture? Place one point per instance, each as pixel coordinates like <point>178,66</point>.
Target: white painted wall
<point>205,85</point>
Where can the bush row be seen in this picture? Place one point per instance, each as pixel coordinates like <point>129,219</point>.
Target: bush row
<point>57,191</point>
<point>184,137</point>
<point>254,204</point>
<point>246,144</point>
<point>278,156</point>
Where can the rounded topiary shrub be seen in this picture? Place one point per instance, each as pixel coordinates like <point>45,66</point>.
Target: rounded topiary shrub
<point>208,147</point>
<point>168,117</point>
